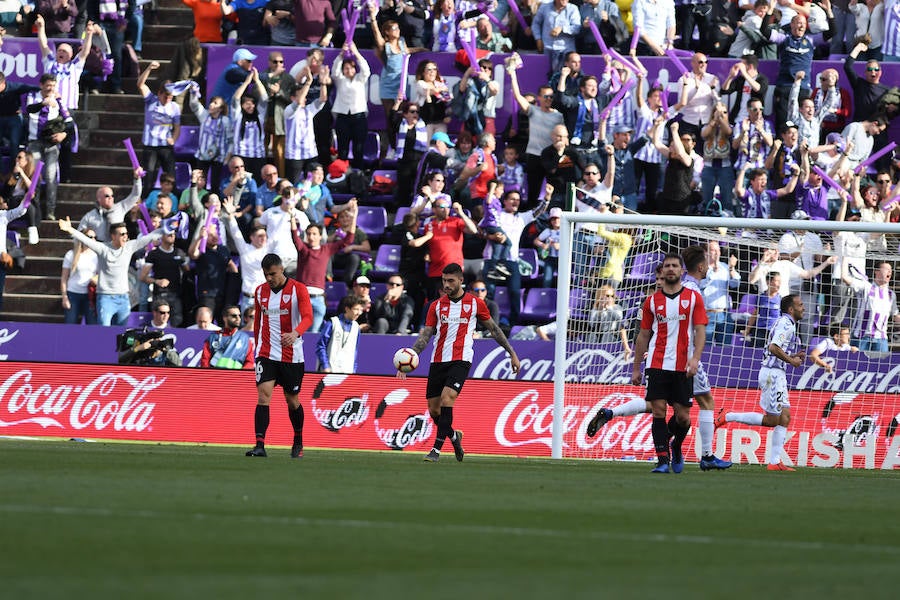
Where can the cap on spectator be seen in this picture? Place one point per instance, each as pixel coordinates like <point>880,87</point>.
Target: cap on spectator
<point>790,125</point>
<point>242,54</point>
<point>555,212</point>
<point>623,128</point>
<point>440,136</point>
<point>363,280</point>
<point>799,215</point>
<point>836,139</point>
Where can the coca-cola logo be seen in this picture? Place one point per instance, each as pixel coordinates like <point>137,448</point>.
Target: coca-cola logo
<point>6,336</point>
<point>526,420</point>
<point>115,400</point>
<point>411,430</point>
<point>351,412</point>
<point>595,365</point>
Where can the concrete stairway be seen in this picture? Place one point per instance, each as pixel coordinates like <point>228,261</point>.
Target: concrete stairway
<point>104,120</point>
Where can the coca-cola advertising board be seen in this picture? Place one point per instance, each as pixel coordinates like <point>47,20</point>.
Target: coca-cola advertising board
<point>506,417</point>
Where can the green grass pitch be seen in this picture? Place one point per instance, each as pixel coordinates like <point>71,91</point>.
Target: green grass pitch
<point>94,520</point>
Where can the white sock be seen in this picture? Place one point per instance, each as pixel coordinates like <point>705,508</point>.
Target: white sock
<point>778,435</point>
<point>707,429</point>
<point>750,418</point>
<point>630,408</point>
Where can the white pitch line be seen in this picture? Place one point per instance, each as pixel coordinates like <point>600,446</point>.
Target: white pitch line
<point>704,540</point>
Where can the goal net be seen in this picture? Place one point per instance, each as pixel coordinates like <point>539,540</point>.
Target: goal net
<point>845,403</point>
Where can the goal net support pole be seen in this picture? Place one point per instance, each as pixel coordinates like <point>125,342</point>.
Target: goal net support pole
<point>753,234</point>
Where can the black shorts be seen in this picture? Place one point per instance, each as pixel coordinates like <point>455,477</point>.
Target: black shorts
<point>675,387</point>
<point>451,374</point>
<point>288,375</point>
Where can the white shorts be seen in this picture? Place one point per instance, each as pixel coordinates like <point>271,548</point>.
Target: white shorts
<point>701,381</point>
<point>773,384</point>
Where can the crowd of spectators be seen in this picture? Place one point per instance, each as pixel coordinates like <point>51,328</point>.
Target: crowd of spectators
<point>466,188</point>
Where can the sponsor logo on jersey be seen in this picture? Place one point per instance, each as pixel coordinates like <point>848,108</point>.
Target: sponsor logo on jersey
<point>454,320</point>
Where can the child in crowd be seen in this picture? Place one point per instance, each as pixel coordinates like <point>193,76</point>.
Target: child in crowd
<point>337,347</point>
<point>493,206</point>
<point>839,341</point>
<point>511,172</point>
<point>547,244</point>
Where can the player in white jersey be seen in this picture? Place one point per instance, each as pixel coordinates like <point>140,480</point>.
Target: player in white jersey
<point>783,342</point>
<point>696,264</point>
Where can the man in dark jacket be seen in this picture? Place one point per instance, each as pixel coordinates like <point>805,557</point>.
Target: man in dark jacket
<point>393,312</point>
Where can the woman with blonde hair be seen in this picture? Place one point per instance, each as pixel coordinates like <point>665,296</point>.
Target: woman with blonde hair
<point>79,270</point>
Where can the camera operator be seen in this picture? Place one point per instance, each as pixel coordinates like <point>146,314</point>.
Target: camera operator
<point>147,348</point>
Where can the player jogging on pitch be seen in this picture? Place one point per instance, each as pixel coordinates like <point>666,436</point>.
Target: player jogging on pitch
<point>453,317</point>
<point>783,341</point>
<point>283,314</point>
<point>696,264</point>
<point>673,333</point>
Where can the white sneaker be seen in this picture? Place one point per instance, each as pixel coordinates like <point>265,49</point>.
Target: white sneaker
<point>33,236</point>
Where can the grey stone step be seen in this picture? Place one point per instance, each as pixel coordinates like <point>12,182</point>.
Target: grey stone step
<point>168,33</point>
<point>169,15</point>
<point>32,303</point>
<point>87,193</point>
<point>48,247</point>
<point>43,266</point>
<point>31,284</point>
<point>32,317</point>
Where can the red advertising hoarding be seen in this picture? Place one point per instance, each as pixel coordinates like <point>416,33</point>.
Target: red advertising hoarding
<point>378,413</point>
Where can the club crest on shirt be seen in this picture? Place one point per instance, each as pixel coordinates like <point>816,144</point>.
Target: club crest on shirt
<point>465,308</point>
<point>685,303</point>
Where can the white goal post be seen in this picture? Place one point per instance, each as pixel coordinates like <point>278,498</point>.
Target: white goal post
<point>852,394</point>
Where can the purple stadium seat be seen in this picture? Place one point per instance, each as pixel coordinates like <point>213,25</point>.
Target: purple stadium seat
<point>530,256</point>
<point>372,220</point>
<point>643,266</point>
<point>188,141</point>
<point>579,303</point>
<point>182,177</point>
<point>387,261</point>
<point>13,238</point>
<point>745,307</point>
<point>372,149</point>
<point>139,319</point>
<point>378,290</point>
<point>501,297</point>
<point>540,305</point>
<point>334,291</point>
<point>398,217</point>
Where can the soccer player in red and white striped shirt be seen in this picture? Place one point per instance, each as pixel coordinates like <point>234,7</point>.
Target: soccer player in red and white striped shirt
<point>453,317</point>
<point>283,313</point>
<point>673,333</point>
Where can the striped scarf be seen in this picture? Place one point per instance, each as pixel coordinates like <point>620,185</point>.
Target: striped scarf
<point>421,137</point>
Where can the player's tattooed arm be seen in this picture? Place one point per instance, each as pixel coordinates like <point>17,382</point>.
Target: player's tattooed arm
<point>501,340</point>
<point>424,337</point>
<point>498,335</point>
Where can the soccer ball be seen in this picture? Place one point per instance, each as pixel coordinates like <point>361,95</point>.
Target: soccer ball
<point>406,360</point>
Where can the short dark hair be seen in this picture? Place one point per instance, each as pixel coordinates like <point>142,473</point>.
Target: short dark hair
<point>772,275</point>
<point>452,269</point>
<point>751,60</point>
<point>693,256</point>
<point>314,226</point>
<point>754,173</point>
<point>119,225</point>
<point>157,304</point>
<point>670,255</point>
<point>270,260</point>
<point>787,302</point>
<point>349,301</point>
<point>47,77</point>
<point>228,307</point>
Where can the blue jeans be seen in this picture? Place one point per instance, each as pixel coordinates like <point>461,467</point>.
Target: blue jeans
<point>12,128</point>
<point>135,29</point>
<point>868,344</point>
<point>724,177</point>
<point>551,264</point>
<point>845,29</point>
<point>720,328</point>
<point>583,244</point>
<point>50,174</point>
<point>630,201</point>
<point>318,308</point>
<point>513,284</point>
<point>113,309</point>
<point>80,306</point>
<point>116,38</point>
